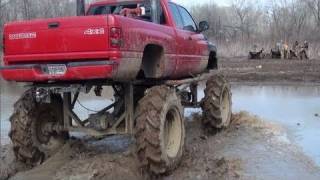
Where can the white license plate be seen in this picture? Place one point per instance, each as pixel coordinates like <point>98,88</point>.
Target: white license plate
<point>57,69</point>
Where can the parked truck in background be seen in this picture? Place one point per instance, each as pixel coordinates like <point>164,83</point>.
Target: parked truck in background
<point>151,52</point>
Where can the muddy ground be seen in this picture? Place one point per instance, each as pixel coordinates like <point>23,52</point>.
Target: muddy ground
<point>249,149</point>
<point>272,71</point>
<point>252,148</point>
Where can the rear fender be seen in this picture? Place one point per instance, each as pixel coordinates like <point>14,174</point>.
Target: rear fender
<point>153,61</point>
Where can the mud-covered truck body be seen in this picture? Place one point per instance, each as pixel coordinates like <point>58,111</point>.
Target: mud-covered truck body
<point>106,45</point>
<point>151,53</point>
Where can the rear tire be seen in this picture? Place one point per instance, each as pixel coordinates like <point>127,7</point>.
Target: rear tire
<point>160,130</point>
<point>216,104</point>
<point>31,144</point>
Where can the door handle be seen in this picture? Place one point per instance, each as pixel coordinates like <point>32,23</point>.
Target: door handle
<point>53,25</point>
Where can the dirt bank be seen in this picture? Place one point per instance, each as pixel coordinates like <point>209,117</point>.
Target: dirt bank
<point>270,71</point>
<point>249,149</point>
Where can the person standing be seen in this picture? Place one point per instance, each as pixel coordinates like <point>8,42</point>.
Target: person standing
<point>306,48</point>
<point>285,50</point>
<point>295,49</point>
<point>303,54</point>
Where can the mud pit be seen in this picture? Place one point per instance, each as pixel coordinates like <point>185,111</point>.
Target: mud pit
<point>276,146</point>
<point>249,149</point>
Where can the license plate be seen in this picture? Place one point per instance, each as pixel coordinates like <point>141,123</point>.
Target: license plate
<point>57,69</point>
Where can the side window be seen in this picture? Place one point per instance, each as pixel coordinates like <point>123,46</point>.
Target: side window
<point>99,10</point>
<point>176,15</point>
<point>188,23</point>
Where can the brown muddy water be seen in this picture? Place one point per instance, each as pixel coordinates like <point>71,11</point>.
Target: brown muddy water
<point>296,108</point>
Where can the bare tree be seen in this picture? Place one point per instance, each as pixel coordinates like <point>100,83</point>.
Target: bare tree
<point>2,14</point>
<point>299,16</point>
<point>242,10</point>
<point>26,9</point>
<point>314,6</point>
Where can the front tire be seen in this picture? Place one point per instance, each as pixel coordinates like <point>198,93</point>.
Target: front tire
<point>216,104</point>
<point>31,144</point>
<point>160,130</point>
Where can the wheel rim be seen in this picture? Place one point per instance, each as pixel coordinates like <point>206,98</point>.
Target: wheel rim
<point>173,133</point>
<point>225,106</point>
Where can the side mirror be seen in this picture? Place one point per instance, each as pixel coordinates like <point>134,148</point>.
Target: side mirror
<point>203,26</point>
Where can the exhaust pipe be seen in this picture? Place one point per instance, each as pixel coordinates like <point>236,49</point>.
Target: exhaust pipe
<point>81,8</point>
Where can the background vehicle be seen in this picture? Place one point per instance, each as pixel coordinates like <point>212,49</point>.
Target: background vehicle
<point>150,52</point>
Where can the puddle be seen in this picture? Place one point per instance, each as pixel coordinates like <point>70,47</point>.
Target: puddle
<point>295,108</point>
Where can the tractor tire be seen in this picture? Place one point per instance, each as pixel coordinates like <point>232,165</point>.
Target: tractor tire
<point>160,131</point>
<point>31,144</point>
<point>216,104</point>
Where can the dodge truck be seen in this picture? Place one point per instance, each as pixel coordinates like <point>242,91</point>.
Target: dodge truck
<point>152,54</point>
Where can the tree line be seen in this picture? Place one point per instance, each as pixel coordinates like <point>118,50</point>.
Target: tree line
<point>243,21</point>
<point>254,20</point>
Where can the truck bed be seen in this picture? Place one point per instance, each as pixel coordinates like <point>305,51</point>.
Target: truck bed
<point>69,48</point>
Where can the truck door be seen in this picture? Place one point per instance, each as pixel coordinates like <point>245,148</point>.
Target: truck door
<point>192,48</point>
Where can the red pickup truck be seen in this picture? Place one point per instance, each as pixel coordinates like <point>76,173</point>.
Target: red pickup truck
<point>106,45</point>
<point>151,52</point>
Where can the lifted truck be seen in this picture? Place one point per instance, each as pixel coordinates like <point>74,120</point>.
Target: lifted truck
<point>150,52</point>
